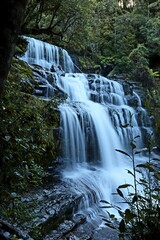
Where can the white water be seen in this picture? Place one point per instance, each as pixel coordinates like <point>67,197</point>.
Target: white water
<point>47,55</point>
<point>87,127</point>
<point>92,118</point>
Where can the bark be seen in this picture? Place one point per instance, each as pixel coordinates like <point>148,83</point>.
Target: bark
<point>11,19</point>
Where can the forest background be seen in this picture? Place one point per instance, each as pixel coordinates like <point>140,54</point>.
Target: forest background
<point>117,38</point>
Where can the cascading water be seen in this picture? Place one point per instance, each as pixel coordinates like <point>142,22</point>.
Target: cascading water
<point>47,55</point>
<point>92,119</point>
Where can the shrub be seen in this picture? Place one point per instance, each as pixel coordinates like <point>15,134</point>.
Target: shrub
<point>27,147</point>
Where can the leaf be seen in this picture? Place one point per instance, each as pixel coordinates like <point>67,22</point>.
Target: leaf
<point>156,159</point>
<point>129,215</point>
<point>157,176</point>
<point>104,201</point>
<point>156,197</point>
<point>109,225</point>
<point>151,169</point>
<point>105,206</point>
<point>106,220</point>
<point>125,125</point>
<point>130,172</point>
<point>134,199</point>
<point>120,193</point>
<point>142,165</point>
<point>121,213</point>
<point>137,152</point>
<point>137,136</point>
<point>112,216</point>
<point>133,145</point>
<point>123,152</point>
<point>143,181</point>
<point>125,186</point>
<point>122,226</point>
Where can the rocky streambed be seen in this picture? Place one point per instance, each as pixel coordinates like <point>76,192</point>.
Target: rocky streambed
<point>47,213</point>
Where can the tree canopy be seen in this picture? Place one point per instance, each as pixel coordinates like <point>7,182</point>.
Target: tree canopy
<point>107,30</point>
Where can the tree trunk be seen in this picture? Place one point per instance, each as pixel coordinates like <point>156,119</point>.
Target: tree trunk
<point>11,19</point>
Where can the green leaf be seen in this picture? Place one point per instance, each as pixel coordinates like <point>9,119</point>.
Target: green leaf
<point>122,226</point>
<point>129,172</point>
<point>129,215</point>
<point>105,206</point>
<point>134,199</point>
<point>147,166</point>
<point>109,225</point>
<point>156,159</point>
<point>123,152</point>
<point>137,152</point>
<point>137,136</point>
<point>106,220</point>
<point>104,201</point>
<point>156,197</point>
<point>121,213</point>
<point>133,145</point>
<point>125,125</point>
<point>120,193</point>
<point>125,186</point>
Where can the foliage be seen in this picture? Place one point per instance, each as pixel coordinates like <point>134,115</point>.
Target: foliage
<point>152,103</point>
<point>140,220</point>
<point>61,22</point>
<point>17,210</point>
<point>139,66</point>
<point>26,131</point>
<point>153,35</point>
<point>112,29</point>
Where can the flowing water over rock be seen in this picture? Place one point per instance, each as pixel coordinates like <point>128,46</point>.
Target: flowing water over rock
<point>94,121</point>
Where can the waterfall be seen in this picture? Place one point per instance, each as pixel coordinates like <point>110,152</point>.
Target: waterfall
<point>93,120</point>
<point>47,55</point>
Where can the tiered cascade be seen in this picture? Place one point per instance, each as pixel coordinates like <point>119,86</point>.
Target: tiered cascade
<point>93,121</point>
